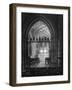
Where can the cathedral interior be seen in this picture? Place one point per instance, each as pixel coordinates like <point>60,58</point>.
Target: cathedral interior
<point>42,44</point>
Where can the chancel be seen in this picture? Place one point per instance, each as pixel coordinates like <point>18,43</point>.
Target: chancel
<point>39,44</point>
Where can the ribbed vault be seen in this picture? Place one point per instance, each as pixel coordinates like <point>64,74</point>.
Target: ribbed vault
<point>39,30</point>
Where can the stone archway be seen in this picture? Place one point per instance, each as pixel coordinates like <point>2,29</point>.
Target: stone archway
<point>40,43</point>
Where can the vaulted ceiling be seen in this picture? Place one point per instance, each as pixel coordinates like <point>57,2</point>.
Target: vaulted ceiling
<point>39,29</point>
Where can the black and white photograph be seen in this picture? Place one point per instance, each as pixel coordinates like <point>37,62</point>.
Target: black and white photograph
<point>39,44</point>
<point>42,44</point>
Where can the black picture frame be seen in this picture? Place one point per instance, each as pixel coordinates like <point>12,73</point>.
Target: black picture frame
<point>13,42</point>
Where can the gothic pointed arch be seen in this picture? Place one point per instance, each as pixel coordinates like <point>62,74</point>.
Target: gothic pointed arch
<point>40,30</point>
